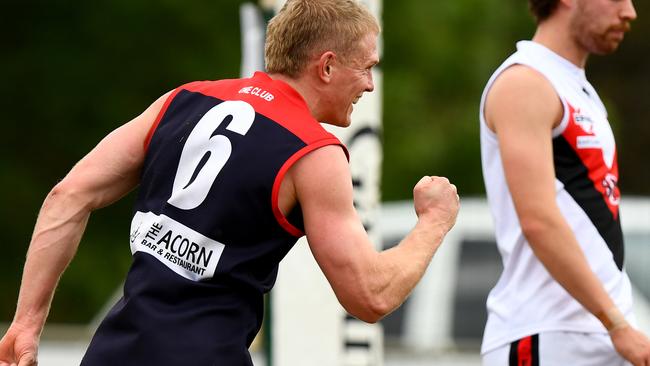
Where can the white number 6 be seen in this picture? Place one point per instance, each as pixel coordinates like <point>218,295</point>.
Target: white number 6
<point>204,155</point>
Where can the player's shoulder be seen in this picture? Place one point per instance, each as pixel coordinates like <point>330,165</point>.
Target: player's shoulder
<point>522,84</point>
<point>198,85</point>
<point>522,77</point>
<point>320,171</point>
<point>521,91</point>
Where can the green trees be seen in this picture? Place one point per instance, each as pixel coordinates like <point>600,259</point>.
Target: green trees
<point>438,56</point>
<point>72,72</point>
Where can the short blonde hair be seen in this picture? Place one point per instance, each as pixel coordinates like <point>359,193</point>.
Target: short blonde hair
<point>303,29</point>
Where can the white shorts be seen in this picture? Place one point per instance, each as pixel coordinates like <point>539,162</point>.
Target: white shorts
<point>557,349</point>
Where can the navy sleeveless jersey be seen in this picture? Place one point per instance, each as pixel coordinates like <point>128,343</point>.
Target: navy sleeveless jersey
<point>207,234</point>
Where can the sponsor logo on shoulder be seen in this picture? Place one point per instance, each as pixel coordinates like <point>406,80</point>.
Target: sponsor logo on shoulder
<point>183,250</point>
<point>584,121</point>
<point>253,90</point>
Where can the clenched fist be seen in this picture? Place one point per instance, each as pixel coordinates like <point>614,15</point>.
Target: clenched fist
<point>436,200</point>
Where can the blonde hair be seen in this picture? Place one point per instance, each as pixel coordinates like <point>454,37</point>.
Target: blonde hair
<point>305,28</point>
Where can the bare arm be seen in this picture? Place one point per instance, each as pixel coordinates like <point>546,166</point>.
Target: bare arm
<point>103,176</point>
<point>522,108</point>
<point>369,284</point>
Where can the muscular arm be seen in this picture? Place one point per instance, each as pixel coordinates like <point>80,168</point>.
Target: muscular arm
<point>369,284</point>
<point>103,176</point>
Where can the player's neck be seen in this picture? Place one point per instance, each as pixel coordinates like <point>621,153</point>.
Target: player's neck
<point>558,38</point>
<point>305,88</point>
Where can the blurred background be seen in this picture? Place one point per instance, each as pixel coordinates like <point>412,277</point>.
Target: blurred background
<point>73,70</point>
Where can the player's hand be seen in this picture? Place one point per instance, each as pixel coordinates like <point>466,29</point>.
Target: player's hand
<point>19,347</point>
<point>633,345</point>
<point>435,199</point>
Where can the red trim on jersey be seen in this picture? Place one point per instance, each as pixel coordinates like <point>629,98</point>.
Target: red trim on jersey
<point>287,107</point>
<point>603,178</point>
<point>525,352</point>
<point>279,102</point>
<point>161,113</point>
<point>279,216</point>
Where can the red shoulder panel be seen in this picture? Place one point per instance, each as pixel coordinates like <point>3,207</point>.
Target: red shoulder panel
<point>273,98</point>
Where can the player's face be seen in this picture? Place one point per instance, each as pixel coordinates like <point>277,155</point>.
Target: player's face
<point>352,79</point>
<point>598,26</point>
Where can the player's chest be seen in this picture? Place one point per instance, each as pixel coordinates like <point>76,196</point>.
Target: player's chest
<point>588,129</point>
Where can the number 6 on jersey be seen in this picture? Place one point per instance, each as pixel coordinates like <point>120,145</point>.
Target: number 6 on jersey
<point>204,155</point>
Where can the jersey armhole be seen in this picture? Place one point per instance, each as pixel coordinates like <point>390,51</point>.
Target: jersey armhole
<point>161,113</point>
<point>559,129</point>
<point>556,131</point>
<point>279,216</point>
<point>488,86</point>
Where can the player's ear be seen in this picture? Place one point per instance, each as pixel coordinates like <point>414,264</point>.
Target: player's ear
<point>326,64</point>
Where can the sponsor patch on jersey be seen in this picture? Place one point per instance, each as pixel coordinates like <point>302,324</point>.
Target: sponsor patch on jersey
<point>183,250</point>
<point>584,121</point>
<point>593,132</point>
<point>588,142</point>
<point>253,90</point>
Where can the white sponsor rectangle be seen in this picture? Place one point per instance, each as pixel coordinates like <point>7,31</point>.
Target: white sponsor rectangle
<point>588,142</point>
<point>180,248</point>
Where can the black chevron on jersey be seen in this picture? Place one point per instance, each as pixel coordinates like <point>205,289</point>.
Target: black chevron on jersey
<point>573,173</point>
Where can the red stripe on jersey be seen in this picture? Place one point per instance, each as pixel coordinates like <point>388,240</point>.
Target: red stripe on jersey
<point>604,179</point>
<point>161,113</point>
<point>525,352</point>
<point>279,216</point>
